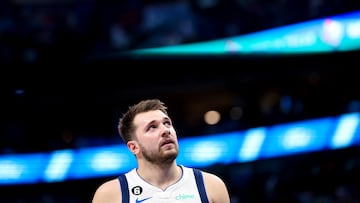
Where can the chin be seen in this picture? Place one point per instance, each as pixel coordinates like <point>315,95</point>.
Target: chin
<point>171,155</point>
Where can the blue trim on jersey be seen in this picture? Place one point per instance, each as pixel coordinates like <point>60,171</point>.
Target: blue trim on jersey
<point>200,185</point>
<point>124,188</point>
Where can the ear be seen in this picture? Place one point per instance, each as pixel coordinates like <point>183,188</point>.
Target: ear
<point>133,146</point>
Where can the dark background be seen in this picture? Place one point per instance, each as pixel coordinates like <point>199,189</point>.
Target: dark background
<point>62,88</point>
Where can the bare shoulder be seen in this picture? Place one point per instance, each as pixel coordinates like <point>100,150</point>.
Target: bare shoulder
<point>216,188</point>
<point>108,192</point>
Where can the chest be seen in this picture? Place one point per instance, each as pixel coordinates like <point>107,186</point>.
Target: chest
<point>183,192</point>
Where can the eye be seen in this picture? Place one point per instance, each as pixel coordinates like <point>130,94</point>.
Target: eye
<point>152,126</point>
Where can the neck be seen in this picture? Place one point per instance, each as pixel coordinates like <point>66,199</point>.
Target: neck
<point>160,176</point>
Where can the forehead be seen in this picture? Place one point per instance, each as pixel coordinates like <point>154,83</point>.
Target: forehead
<point>145,118</point>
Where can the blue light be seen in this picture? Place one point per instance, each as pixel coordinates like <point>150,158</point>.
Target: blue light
<point>297,137</point>
<point>58,166</point>
<point>24,168</point>
<point>201,151</point>
<point>207,150</point>
<point>345,131</point>
<point>254,139</point>
<point>101,161</point>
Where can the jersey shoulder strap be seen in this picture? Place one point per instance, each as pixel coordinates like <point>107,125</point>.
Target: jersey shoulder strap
<point>124,188</point>
<point>200,185</point>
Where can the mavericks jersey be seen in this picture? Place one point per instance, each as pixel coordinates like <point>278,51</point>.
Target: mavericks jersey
<point>188,189</point>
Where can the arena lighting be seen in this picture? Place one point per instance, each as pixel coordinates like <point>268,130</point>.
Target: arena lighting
<point>251,146</point>
<point>212,117</point>
<point>327,133</point>
<point>329,34</point>
<point>297,137</point>
<point>211,149</point>
<point>58,165</point>
<point>99,161</point>
<point>24,168</point>
<point>345,131</point>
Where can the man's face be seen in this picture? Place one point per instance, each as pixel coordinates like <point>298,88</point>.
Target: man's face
<point>156,137</point>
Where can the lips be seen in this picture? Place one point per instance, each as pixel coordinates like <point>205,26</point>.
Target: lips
<point>167,141</point>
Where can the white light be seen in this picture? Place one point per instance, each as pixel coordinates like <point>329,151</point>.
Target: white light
<point>58,166</point>
<point>207,151</point>
<point>345,131</point>
<point>353,30</point>
<point>107,160</point>
<point>10,170</point>
<point>297,137</point>
<point>252,144</point>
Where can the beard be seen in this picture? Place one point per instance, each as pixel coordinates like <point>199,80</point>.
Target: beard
<point>159,157</point>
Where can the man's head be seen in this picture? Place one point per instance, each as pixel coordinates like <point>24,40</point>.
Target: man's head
<point>126,126</point>
<point>149,133</point>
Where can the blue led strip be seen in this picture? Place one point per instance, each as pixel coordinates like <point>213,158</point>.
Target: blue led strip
<point>328,133</point>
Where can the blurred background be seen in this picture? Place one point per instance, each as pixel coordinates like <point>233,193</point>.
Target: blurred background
<point>64,86</point>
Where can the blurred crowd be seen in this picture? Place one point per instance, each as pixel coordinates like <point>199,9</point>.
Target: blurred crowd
<point>56,30</point>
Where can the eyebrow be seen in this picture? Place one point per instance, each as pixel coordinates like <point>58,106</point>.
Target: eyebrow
<point>165,118</point>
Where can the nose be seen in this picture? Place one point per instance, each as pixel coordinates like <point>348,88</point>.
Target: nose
<point>165,130</point>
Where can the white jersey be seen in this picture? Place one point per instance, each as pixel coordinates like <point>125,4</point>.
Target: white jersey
<point>188,189</point>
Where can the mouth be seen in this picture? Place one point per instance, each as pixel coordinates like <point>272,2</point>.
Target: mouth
<point>167,142</point>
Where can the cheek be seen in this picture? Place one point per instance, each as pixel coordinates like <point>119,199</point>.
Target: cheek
<point>173,132</point>
<point>148,143</point>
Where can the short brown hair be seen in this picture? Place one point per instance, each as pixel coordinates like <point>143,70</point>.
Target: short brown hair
<point>126,126</point>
